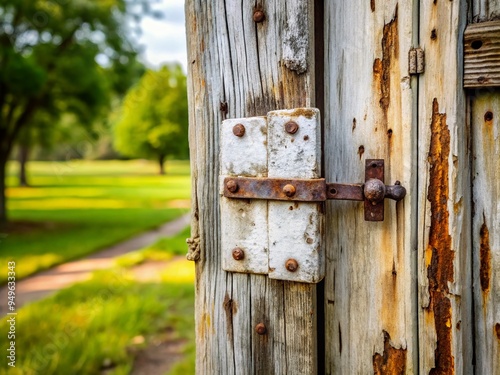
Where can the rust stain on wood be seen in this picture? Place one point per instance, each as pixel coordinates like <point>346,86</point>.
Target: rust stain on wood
<point>390,52</point>
<point>204,325</point>
<point>361,151</point>
<point>306,112</point>
<point>393,361</point>
<point>484,258</point>
<point>497,330</point>
<point>440,269</point>
<point>372,5</point>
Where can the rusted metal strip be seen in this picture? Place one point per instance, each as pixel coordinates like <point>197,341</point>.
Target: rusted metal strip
<point>349,192</point>
<point>303,190</point>
<point>372,192</point>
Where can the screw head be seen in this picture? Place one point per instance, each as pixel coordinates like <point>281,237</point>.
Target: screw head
<point>232,186</point>
<point>291,265</point>
<point>259,16</point>
<point>261,329</point>
<point>239,130</point>
<point>289,190</point>
<point>291,127</point>
<point>238,253</point>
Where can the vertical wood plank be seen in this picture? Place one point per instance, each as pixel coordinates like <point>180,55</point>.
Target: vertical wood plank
<point>445,299</point>
<point>238,68</point>
<point>485,127</point>
<point>486,229</point>
<point>370,102</point>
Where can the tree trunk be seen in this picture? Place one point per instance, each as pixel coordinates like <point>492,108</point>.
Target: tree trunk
<point>161,161</point>
<point>3,200</point>
<point>23,160</point>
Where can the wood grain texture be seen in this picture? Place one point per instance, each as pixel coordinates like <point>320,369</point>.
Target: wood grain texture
<point>444,261</point>
<point>240,63</point>
<point>485,10</point>
<point>370,306</point>
<point>482,55</point>
<point>486,230</point>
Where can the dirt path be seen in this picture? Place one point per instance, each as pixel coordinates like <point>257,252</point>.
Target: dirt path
<point>47,282</point>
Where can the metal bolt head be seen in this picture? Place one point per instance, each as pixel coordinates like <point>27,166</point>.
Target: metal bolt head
<point>291,127</point>
<point>239,130</point>
<point>261,329</point>
<point>374,190</point>
<point>238,253</point>
<point>232,186</point>
<point>291,265</point>
<point>258,16</point>
<point>289,190</point>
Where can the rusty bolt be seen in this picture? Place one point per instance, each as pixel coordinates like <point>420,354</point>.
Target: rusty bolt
<point>289,190</point>
<point>291,265</point>
<point>261,329</point>
<point>374,190</point>
<point>232,186</point>
<point>238,253</point>
<point>239,130</point>
<point>259,16</point>
<point>291,127</point>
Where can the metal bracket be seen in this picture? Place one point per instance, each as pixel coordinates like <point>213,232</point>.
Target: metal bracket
<point>416,61</point>
<point>372,192</point>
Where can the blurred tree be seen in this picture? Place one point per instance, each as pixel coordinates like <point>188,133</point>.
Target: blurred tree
<point>154,117</point>
<point>48,63</point>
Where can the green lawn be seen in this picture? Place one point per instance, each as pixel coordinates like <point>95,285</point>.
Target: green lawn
<point>104,323</point>
<point>78,207</point>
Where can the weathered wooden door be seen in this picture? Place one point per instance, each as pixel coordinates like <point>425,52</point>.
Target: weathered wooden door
<point>417,293</point>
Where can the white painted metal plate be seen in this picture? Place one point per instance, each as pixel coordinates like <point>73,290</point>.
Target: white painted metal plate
<point>295,229</point>
<point>269,232</point>
<point>244,223</point>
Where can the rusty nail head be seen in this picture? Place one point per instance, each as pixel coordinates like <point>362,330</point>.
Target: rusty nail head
<point>291,265</point>
<point>291,127</point>
<point>289,190</point>
<point>238,253</point>
<point>259,16</point>
<point>239,130</point>
<point>232,186</point>
<point>261,329</point>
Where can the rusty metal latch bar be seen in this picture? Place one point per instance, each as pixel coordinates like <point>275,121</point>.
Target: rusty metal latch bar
<point>372,192</point>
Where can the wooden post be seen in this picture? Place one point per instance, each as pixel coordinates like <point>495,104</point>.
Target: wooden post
<point>245,59</point>
<point>444,262</point>
<point>485,127</point>
<point>370,305</point>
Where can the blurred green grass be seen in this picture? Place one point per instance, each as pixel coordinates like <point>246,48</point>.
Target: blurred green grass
<point>102,324</point>
<point>74,208</point>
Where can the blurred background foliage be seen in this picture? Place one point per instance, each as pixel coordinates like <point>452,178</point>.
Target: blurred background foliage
<point>76,103</point>
<point>69,74</point>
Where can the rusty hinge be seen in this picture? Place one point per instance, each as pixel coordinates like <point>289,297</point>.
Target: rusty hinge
<point>372,192</point>
<point>416,61</point>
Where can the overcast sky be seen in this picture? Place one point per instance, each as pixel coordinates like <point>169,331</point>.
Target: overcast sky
<point>164,40</point>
